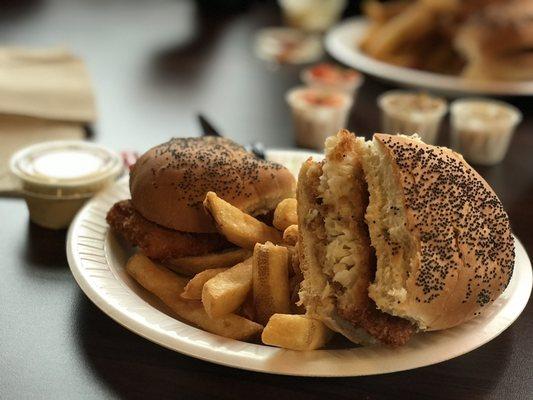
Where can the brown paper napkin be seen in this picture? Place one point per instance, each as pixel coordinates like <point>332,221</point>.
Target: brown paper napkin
<point>48,83</point>
<point>45,95</point>
<point>17,132</point>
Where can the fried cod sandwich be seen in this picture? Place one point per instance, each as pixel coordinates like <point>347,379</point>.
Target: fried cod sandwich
<point>397,236</point>
<point>165,216</point>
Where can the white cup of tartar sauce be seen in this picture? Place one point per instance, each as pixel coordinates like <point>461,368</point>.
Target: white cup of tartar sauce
<point>57,177</point>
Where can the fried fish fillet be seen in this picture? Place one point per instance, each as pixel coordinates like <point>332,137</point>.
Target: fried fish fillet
<point>156,241</point>
<point>334,195</point>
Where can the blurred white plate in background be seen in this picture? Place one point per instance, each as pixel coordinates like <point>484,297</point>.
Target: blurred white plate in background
<point>342,42</point>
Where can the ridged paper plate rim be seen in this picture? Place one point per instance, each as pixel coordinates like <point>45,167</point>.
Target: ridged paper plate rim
<point>96,258</point>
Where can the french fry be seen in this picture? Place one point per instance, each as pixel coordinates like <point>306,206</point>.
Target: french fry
<point>167,286</point>
<point>411,24</point>
<point>295,332</point>
<point>193,289</point>
<point>294,261</point>
<point>225,293</point>
<point>443,5</point>
<point>238,227</point>
<point>290,235</point>
<point>285,214</point>
<point>381,12</point>
<point>368,36</point>
<point>270,281</point>
<point>247,308</point>
<point>192,265</point>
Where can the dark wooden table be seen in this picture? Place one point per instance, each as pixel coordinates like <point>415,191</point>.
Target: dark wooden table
<point>154,65</point>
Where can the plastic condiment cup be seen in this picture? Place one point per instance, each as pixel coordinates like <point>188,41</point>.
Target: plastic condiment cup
<point>287,46</point>
<point>406,112</point>
<point>57,178</point>
<point>317,114</point>
<point>332,77</point>
<point>482,129</point>
<point>312,15</point>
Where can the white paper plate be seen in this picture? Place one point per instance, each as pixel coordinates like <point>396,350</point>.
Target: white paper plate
<point>342,43</point>
<point>97,260</point>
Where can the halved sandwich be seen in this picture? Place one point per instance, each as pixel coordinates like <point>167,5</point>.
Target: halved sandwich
<point>398,236</point>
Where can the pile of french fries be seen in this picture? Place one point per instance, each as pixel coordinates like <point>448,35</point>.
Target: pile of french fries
<point>415,33</point>
<point>247,293</point>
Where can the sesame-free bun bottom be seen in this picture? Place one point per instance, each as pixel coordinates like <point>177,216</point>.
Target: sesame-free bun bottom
<point>169,182</point>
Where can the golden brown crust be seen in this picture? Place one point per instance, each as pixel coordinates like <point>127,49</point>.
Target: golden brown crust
<point>169,182</point>
<point>157,242</point>
<point>466,250</point>
<point>388,329</point>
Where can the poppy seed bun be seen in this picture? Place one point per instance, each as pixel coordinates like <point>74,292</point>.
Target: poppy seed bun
<point>169,182</point>
<point>443,241</point>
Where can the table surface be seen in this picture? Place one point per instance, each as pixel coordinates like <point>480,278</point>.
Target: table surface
<point>154,64</point>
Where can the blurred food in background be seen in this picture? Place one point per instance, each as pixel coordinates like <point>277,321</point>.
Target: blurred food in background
<point>478,39</point>
<point>497,42</point>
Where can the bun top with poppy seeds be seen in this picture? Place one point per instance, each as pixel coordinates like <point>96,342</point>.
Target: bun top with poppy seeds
<point>169,182</point>
<point>442,238</point>
<point>443,250</point>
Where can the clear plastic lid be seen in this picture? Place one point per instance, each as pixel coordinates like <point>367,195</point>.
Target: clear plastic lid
<point>65,167</point>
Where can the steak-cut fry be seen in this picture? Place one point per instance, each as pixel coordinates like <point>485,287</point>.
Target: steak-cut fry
<point>247,308</point>
<point>238,227</point>
<point>295,332</point>
<point>193,265</point>
<point>193,289</point>
<point>285,214</point>
<point>290,235</point>
<point>225,293</point>
<point>270,281</point>
<point>294,261</point>
<point>167,286</point>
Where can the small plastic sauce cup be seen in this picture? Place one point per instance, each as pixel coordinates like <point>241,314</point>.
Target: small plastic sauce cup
<point>317,114</point>
<point>312,15</point>
<point>406,112</point>
<point>58,177</point>
<point>482,129</point>
<point>332,77</point>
